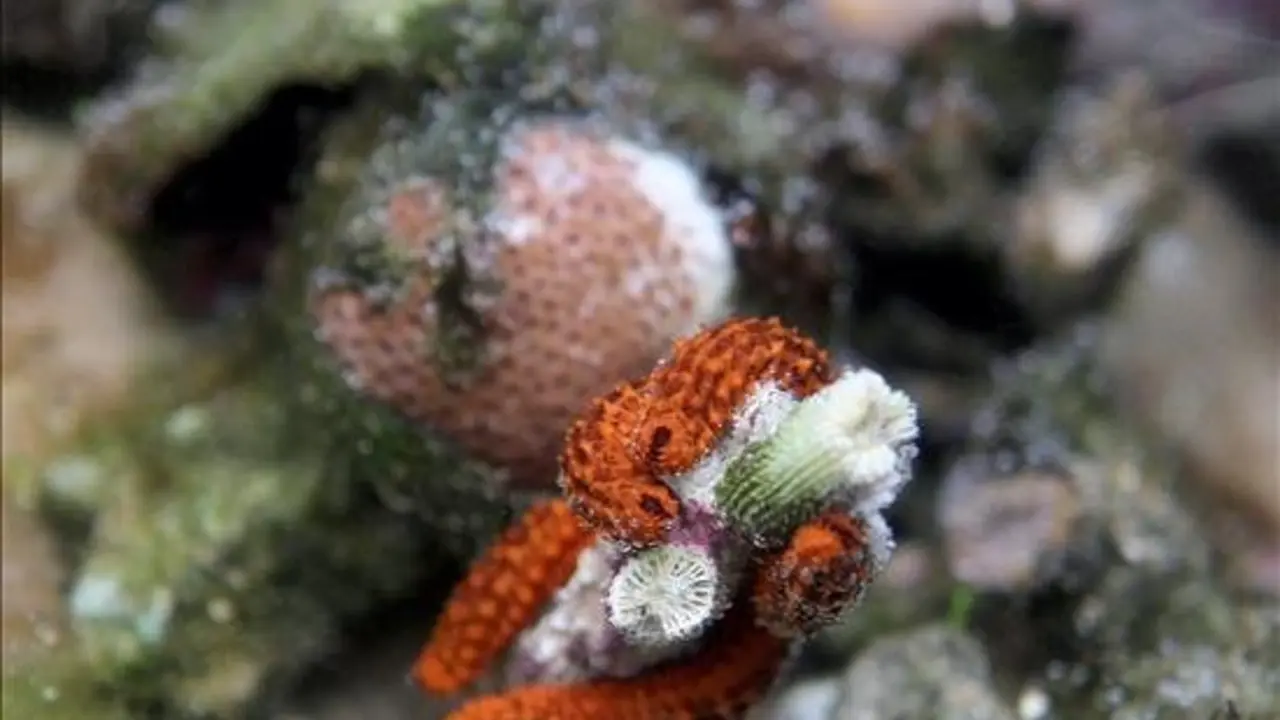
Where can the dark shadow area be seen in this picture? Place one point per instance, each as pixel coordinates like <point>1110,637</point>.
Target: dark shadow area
<point>211,228</point>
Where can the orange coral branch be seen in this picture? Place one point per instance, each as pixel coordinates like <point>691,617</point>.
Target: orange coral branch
<point>823,569</point>
<point>502,594</point>
<point>723,681</point>
<point>711,374</point>
<point>613,492</point>
<point>617,453</point>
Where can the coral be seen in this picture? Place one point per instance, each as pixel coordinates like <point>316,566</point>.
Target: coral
<point>615,454</point>
<point>670,592</point>
<point>647,625</point>
<point>853,440</point>
<point>710,375</point>
<point>823,570</point>
<point>733,671</point>
<point>505,589</point>
<point>589,257</point>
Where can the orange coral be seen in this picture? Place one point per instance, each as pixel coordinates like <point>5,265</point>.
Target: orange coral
<point>617,453</point>
<point>615,463</point>
<point>822,570</point>
<point>601,473</point>
<point>731,673</point>
<point>503,593</point>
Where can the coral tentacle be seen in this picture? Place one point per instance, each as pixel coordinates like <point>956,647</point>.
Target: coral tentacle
<point>502,594</point>
<point>823,570</point>
<point>730,674</point>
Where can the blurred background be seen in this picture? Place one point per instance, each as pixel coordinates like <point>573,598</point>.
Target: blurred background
<point>280,355</point>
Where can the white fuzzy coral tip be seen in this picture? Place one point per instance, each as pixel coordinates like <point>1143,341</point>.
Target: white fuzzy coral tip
<point>872,428</point>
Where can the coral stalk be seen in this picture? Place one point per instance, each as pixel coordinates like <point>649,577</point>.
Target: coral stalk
<point>731,673</point>
<point>501,596</point>
<point>604,482</point>
<point>617,455</point>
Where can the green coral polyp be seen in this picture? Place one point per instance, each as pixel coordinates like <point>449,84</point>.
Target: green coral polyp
<point>851,442</point>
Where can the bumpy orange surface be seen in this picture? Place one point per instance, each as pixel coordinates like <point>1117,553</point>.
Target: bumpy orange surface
<point>503,593</point>
<point>617,454</point>
<point>822,570</point>
<point>732,672</point>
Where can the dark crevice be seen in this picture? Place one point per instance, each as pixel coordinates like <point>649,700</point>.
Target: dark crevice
<point>964,291</point>
<point>211,228</point>
<point>45,93</point>
<point>1249,169</point>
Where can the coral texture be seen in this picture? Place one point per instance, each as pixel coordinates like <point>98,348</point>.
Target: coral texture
<point>648,625</point>
<point>617,453</point>
<point>600,254</point>
<point>503,593</point>
<point>731,673</point>
<point>823,570</point>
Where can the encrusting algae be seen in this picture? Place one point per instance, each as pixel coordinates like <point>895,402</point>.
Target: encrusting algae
<point>655,589</point>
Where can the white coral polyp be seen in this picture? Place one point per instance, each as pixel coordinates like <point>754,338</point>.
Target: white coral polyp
<point>870,427</point>
<point>665,595</point>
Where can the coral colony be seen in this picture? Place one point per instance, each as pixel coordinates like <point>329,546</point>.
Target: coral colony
<point>605,253</point>
<point>715,512</point>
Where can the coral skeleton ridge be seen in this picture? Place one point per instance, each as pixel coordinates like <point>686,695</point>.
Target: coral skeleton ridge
<point>716,511</point>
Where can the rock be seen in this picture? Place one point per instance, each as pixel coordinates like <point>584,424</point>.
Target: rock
<point>1172,645</point>
<point>79,36</point>
<point>32,611</point>
<point>44,673</point>
<point>1129,612</point>
<point>1056,491</point>
<point>1203,47</point>
<point>814,699</point>
<point>79,327</point>
<point>917,165</point>
<point>216,63</point>
<point>223,562</point>
<point>1007,533</point>
<point>1105,179</point>
<point>935,672</point>
<point>1055,407</point>
<point>1197,364</point>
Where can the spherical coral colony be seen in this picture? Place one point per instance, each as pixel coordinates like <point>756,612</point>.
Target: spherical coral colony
<point>716,510</point>
<point>600,251</point>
